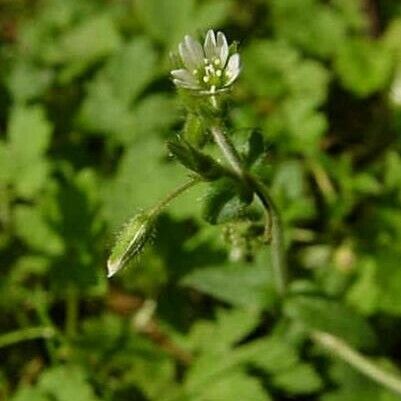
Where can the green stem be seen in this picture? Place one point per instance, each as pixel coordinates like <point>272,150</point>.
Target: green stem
<point>277,242</point>
<point>41,308</point>
<point>27,334</point>
<point>228,150</point>
<point>342,350</point>
<point>174,194</point>
<point>277,245</point>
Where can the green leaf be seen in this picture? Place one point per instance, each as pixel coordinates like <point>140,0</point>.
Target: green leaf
<point>169,20</point>
<point>333,317</point>
<point>132,68</point>
<point>209,14</point>
<point>236,386</point>
<point>296,89</point>
<point>223,202</point>
<point>301,379</point>
<point>388,280</point>
<point>89,41</point>
<point>363,66</point>
<point>37,233</point>
<point>236,284</point>
<point>153,115</point>
<point>393,170</point>
<point>27,81</point>
<point>28,133</point>
<point>64,383</point>
<point>273,355</point>
<point>60,383</point>
<point>191,158</point>
<point>363,295</point>
<point>230,327</point>
<point>314,27</point>
<point>103,111</point>
<point>28,139</point>
<point>29,394</point>
<point>154,178</point>
<point>107,106</point>
<point>166,20</point>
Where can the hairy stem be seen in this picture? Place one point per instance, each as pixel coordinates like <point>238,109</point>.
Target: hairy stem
<point>228,150</point>
<point>233,158</point>
<point>174,194</point>
<point>277,242</point>
<point>342,350</point>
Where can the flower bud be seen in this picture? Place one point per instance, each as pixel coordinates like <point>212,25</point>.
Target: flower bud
<point>130,241</point>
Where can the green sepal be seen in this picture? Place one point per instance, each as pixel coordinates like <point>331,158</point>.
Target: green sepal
<point>196,161</point>
<point>194,130</point>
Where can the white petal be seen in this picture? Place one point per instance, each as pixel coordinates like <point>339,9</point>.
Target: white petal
<point>184,75</point>
<point>222,46</point>
<point>185,85</point>
<point>186,56</point>
<point>210,45</point>
<point>195,50</point>
<point>233,68</point>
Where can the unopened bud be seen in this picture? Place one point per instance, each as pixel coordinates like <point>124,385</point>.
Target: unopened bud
<point>130,242</point>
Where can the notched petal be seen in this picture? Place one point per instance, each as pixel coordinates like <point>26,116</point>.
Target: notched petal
<point>195,50</point>
<point>233,68</point>
<point>210,45</point>
<point>185,56</point>
<point>184,75</point>
<point>222,46</point>
<point>185,85</point>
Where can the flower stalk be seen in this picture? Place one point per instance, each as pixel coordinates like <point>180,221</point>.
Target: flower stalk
<point>26,334</point>
<point>342,350</point>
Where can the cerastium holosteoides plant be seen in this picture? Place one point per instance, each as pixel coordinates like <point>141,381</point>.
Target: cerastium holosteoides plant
<point>204,76</point>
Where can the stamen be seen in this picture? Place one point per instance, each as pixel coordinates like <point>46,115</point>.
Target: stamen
<point>195,72</point>
<point>206,60</point>
<point>206,79</point>
<point>217,61</point>
<point>209,69</point>
<point>219,73</point>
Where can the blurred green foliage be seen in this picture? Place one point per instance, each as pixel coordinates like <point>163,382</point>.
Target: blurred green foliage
<point>86,110</point>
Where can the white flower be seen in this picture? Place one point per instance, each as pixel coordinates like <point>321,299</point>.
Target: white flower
<point>208,68</point>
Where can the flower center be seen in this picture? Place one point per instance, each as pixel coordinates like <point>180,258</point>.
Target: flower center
<point>211,74</point>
